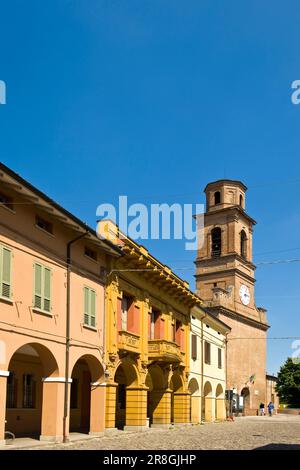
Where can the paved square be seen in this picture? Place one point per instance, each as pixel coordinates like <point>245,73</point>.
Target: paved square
<point>280,431</point>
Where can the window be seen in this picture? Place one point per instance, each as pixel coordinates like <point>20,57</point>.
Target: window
<point>219,358</point>
<point>155,323</point>
<point>5,272</point>
<point>178,332</point>
<point>44,224</point>
<point>194,347</point>
<point>243,244</point>
<point>11,394</point>
<point>42,287</point>
<point>29,389</point>
<point>74,394</point>
<point>89,317</point>
<point>241,201</point>
<point>125,305</point>
<point>6,201</point>
<point>207,352</point>
<point>216,242</point>
<point>217,197</point>
<point>90,253</point>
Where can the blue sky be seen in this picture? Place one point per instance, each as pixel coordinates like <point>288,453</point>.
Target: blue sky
<point>153,99</point>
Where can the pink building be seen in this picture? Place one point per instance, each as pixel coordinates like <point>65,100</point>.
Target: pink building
<point>52,293</point>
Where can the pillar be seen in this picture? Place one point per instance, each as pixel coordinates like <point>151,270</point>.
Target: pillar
<point>161,407</point>
<point>182,410</point>
<point>97,409</point>
<point>3,383</point>
<point>209,411</point>
<point>110,405</point>
<point>220,409</point>
<point>196,409</point>
<point>53,409</point>
<point>136,408</point>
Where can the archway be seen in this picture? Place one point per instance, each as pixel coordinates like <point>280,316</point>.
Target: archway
<point>195,401</point>
<point>86,396</point>
<point>207,410</point>
<point>245,399</point>
<point>28,397</point>
<point>156,396</point>
<point>220,403</point>
<point>125,376</point>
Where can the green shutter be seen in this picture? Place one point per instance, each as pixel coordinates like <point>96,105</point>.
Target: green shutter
<point>86,306</point>
<point>47,289</point>
<point>5,272</point>
<point>93,308</point>
<point>38,286</point>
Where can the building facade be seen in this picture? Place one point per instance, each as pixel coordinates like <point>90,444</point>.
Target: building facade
<point>147,342</point>
<point>51,316</point>
<point>225,281</point>
<point>207,379</point>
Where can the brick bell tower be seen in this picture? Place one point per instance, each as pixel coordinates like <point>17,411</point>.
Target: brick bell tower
<point>225,280</point>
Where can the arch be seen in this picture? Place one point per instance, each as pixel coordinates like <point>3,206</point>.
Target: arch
<point>207,409</point>
<point>241,201</point>
<point>243,241</point>
<point>29,365</point>
<point>245,395</point>
<point>220,403</point>
<point>194,390</point>
<point>216,242</point>
<point>155,382</point>
<point>217,197</point>
<point>86,404</point>
<point>126,375</point>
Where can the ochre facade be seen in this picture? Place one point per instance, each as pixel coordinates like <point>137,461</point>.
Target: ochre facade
<point>147,342</point>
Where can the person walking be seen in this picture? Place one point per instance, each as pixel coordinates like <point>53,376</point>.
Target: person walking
<point>262,409</point>
<point>270,408</point>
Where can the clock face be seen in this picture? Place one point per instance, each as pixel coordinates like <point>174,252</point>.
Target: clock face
<point>245,294</point>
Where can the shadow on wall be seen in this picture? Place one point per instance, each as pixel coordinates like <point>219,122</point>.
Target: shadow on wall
<point>279,446</point>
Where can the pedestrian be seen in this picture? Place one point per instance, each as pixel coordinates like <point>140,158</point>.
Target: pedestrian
<point>262,409</point>
<point>270,408</point>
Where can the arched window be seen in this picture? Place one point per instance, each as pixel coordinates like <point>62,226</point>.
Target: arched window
<point>241,201</point>
<point>217,197</point>
<point>216,242</point>
<point>243,244</point>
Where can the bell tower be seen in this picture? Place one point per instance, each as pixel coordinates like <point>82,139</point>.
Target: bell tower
<point>225,281</point>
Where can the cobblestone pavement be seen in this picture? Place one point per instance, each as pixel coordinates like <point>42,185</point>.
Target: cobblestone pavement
<point>244,433</point>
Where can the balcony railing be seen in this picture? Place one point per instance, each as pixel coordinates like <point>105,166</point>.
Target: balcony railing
<point>128,341</point>
<point>164,351</point>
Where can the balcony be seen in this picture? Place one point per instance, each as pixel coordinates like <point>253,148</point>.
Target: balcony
<point>129,342</point>
<point>164,351</point>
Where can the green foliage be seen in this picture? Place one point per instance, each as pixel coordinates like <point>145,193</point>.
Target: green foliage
<point>288,386</point>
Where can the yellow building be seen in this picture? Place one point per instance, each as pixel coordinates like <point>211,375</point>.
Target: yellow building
<point>207,379</point>
<point>147,342</point>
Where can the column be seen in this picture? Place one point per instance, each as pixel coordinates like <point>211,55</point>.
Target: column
<point>97,409</point>
<point>53,409</point>
<point>110,405</point>
<point>161,407</point>
<point>182,407</point>
<point>209,409</point>
<point>3,383</point>
<point>136,408</point>
<point>220,409</point>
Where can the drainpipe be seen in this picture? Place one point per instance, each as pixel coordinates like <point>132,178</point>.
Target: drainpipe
<point>202,366</point>
<point>68,323</point>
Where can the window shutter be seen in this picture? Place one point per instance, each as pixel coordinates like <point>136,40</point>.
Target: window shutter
<point>47,289</point>
<point>194,347</point>
<point>220,358</point>
<point>86,305</point>
<point>38,286</point>
<point>6,273</point>
<point>93,308</point>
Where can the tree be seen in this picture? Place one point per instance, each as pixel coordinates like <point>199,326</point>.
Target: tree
<point>288,385</point>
